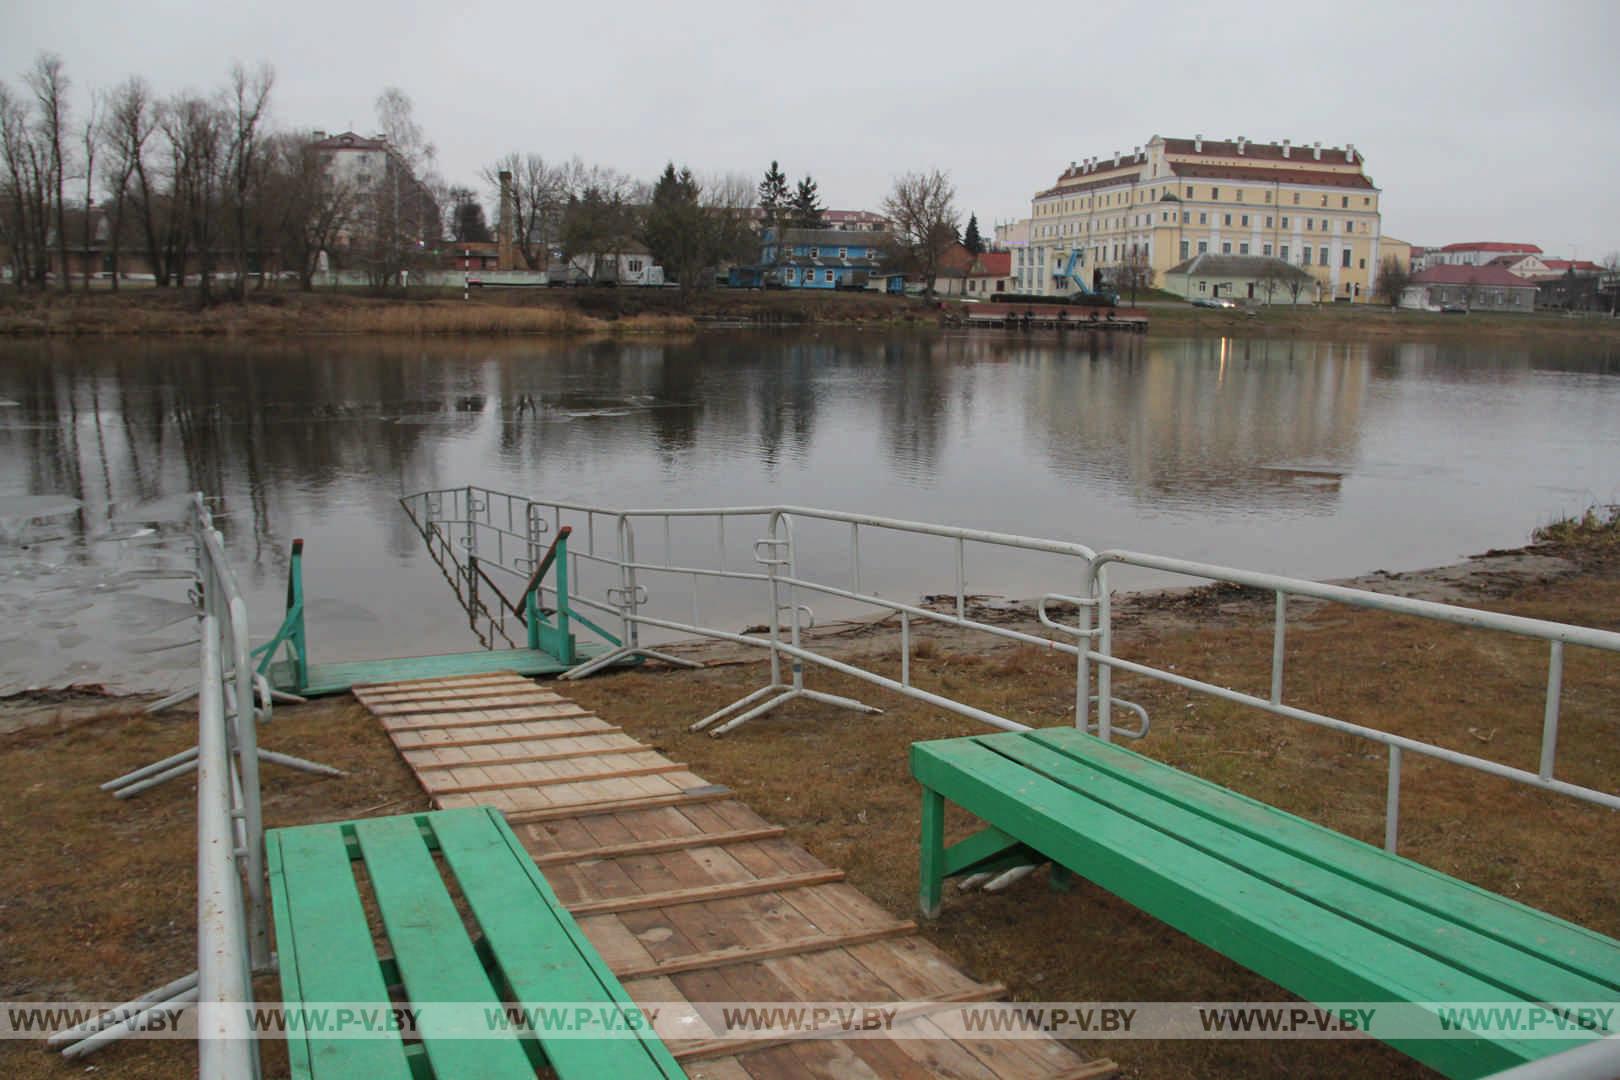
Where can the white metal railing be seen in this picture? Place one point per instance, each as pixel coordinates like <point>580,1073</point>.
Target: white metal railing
<point>233,939</point>
<point>774,569</point>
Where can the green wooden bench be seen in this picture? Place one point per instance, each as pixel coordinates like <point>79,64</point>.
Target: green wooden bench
<point>525,950</point>
<point>1325,916</point>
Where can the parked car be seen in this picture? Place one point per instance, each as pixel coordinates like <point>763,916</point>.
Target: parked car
<point>1212,302</point>
<point>1453,309</point>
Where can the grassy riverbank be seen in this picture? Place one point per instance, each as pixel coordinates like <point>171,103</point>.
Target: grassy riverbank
<point>489,312</point>
<point>99,899</point>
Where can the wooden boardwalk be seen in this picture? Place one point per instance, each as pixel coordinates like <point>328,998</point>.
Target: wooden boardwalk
<point>686,892</point>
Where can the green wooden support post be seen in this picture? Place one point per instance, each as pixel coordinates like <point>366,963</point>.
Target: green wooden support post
<point>932,863</point>
<point>531,615</point>
<point>295,608</point>
<point>565,640</point>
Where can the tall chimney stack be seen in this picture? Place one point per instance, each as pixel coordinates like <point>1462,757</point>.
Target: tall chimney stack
<point>503,248</point>
<point>1350,152</point>
<point>1198,143</point>
<point>1287,147</point>
<point>1317,148</point>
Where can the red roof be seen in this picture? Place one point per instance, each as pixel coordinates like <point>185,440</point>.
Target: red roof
<point>1583,266</point>
<point>1493,245</point>
<point>1303,154</point>
<point>1448,274</point>
<point>1303,175</point>
<point>992,264</point>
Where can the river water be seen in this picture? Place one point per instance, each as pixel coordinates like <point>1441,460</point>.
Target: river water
<point>1317,459</point>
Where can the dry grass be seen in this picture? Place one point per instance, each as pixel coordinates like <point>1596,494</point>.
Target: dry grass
<point>96,896</point>
<point>283,313</point>
<point>840,783</point>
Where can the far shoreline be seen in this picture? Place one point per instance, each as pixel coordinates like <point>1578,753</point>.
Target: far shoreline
<point>270,313</point>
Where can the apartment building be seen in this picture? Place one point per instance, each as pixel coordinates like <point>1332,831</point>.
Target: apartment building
<point>1173,199</point>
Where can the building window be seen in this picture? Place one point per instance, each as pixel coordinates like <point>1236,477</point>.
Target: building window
<point>1345,202</point>
<point>1268,221</point>
<point>1226,219</point>
<point>1296,198</point>
<point>1226,247</point>
<point>1185,245</point>
<point>1282,253</point>
<point>1189,191</point>
<point>1203,286</point>
<point>1240,194</point>
<point>1324,224</point>
<point>814,253</point>
<point>1363,264</point>
<point>1266,250</point>
<point>1305,258</point>
<point>1245,221</point>
<point>1346,261</point>
<point>1268,197</point>
<point>1324,256</point>
<point>1324,200</point>
<point>1285,223</point>
<point>1214,193</point>
<point>1186,217</point>
<point>843,253</point>
<point>1243,249</point>
<point>828,276</point>
<point>633,265</point>
<point>1203,247</point>
<point>792,274</point>
<point>1203,218</point>
<point>1310,224</point>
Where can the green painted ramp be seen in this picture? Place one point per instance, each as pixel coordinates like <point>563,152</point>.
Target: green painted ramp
<point>327,679</point>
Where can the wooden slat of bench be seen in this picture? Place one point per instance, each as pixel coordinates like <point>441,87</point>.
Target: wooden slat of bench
<point>1521,974</point>
<point>542,953</point>
<point>1585,952</point>
<point>1296,944</point>
<point>326,952</point>
<point>436,958</point>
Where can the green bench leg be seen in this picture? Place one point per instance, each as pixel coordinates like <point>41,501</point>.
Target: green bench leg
<point>932,863</point>
<point>1061,879</point>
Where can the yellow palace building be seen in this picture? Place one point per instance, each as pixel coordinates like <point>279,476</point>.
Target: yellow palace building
<point>1312,206</point>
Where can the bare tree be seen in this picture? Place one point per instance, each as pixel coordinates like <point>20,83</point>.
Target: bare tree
<point>131,121</point>
<point>91,138</point>
<point>26,201</point>
<point>195,130</point>
<point>1611,277</point>
<point>249,102</point>
<point>50,86</point>
<point>1273,276</point>
<point>539,195</point>
<point>601,219</point>
<point>1393,279</point>
<point>921,208</point>
<point>398,217</point>
<point>308,205</point>
<point>1134,271</point>
<point>1297,284</point>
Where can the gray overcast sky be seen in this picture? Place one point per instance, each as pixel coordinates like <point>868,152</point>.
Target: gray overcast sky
<point>1479,120</point>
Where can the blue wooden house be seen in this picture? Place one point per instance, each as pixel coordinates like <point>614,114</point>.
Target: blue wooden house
<point>813,259</point>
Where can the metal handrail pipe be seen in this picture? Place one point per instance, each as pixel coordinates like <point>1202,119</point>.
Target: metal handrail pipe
<point>1455,757</point>
<point>1363,598</point>
<point>961,709</point>
<point>222,961</point>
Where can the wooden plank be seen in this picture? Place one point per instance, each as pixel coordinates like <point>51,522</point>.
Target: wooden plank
<point>538,948</point>
<point>473,695</point>
<point>673,897</point>
<point>519,759</point>
<point>748,953</point>
<point>428,690</point>
<point>699,1049</point>
<point>536,701</point>
<point>435,957</point>
<point>652,847</point>
<point>326,951</point>
<point>1524,974</point>
<point>437,680</point>
<point>1304,948</point>
<point>548,781</point>
<point>469,720</point>
<point>712,793</point>
<point>494,740</point>
<point>1585,951</point>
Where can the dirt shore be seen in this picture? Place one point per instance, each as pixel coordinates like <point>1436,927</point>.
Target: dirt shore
<point>96,897</point>
<point>281,312</point>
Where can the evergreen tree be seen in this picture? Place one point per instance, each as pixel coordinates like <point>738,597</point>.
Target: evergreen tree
<point>973,241</point>
<point>807,209</point>
<point>774,197</point>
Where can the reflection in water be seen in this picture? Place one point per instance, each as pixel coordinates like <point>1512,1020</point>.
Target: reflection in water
<point>1314,458</point>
